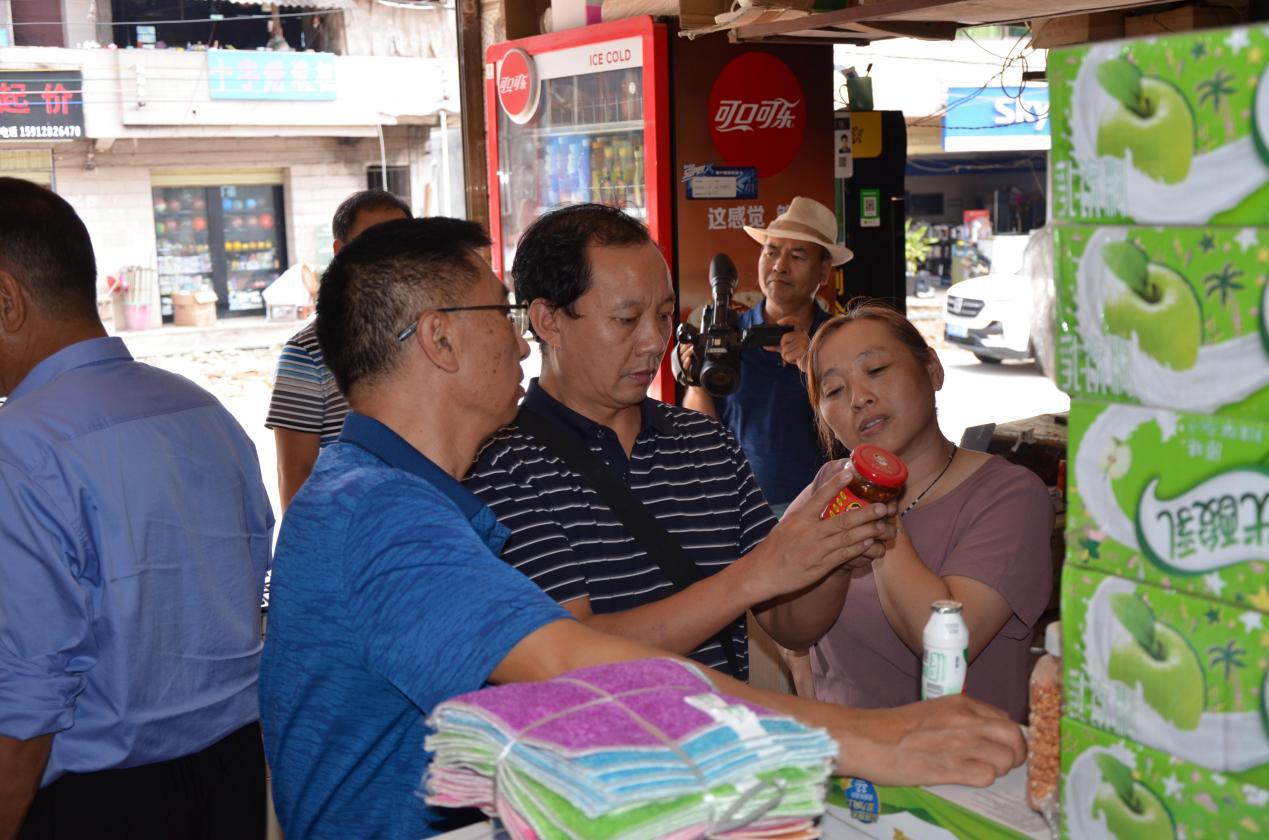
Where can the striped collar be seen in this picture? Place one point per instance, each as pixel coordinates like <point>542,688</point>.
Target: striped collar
<point>536,399</point>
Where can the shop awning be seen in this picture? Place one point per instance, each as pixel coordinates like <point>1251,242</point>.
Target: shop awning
<point>301,4</point>
<point>860,24</point>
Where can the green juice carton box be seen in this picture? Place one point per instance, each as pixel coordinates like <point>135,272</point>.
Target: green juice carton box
<point>858,808</point>
<point>1180,674</point>
<point>1115,788</point>
<point>1169,317</point>
<point>1170,130</point>
<point>1176,500</point>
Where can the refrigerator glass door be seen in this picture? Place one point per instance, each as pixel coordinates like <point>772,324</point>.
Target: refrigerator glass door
<point>585,144</point>
<point>253,254</point>
<point>182,235</point>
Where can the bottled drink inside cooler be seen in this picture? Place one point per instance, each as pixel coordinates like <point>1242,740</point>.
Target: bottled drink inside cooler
<point>252,255</point>
<point>585,144</point>
<point>182,234</point>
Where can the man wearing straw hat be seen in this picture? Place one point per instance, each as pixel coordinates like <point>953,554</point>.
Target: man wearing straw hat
<point>134,538</point>
<point>769,415</point>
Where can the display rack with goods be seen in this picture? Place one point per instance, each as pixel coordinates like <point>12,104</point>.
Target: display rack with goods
<point>226,239</point>
<point>585,144</point>
<point>183,237</point>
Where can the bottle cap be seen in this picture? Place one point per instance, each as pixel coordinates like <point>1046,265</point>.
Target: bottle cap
<point>879,466</point>
<point>946,607</point>
<point>1053,639</point>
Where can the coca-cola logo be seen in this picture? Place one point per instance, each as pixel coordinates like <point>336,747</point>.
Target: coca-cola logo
<point>517,85</point>
<point>513,84</point>
<point>757,113</point>
<point>736,115</point>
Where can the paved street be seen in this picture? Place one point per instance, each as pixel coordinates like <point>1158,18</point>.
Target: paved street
<point>242,379</point>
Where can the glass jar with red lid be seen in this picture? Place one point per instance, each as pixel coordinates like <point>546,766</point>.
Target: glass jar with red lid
<point>879,476</point>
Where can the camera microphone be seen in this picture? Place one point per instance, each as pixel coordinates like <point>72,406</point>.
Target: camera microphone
<point>722,284</point>
<point>716,347</point>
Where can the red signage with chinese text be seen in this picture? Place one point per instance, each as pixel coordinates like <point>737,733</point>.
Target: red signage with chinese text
<point>789,146</point>
<point>40,105</point>
<point>518,87</point>
<point>757,113</point>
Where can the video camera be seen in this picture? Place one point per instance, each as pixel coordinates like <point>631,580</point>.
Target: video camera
<point>717,345</point>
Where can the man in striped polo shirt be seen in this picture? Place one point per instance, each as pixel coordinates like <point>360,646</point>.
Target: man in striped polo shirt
<point>602,307</point>
<point>307,410</point>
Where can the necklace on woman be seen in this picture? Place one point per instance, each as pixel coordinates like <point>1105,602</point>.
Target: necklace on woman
<point>930,486</point>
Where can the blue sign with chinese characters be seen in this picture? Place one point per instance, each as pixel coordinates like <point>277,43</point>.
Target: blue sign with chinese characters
<point>286,76</point>
<point>983,119</point>
<point>710,181</point>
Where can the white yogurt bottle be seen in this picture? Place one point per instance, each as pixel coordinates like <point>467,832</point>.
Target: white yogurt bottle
<point>946,641</point>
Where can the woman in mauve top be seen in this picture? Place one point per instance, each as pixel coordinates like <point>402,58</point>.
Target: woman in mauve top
<point>972,527</point>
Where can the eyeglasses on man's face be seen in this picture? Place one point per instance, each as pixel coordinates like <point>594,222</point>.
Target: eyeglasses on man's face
<point>516,313</point>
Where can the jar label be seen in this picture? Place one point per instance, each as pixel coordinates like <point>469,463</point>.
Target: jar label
<point>842,502</point>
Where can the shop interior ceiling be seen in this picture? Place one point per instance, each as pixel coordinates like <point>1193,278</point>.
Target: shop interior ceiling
<point>862,23</point>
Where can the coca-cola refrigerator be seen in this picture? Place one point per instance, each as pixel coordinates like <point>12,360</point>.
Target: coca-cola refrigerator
<point>697,138</point>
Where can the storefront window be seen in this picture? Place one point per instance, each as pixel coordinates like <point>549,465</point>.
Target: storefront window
<point>229,239</point>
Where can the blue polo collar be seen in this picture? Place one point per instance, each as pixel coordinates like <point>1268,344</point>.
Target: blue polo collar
<point>758,315</point>
<point>92,351</point>
<point>389,447</point>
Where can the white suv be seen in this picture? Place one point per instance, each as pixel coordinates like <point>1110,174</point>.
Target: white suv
<point>990,316</point>
<point>1008,316</point>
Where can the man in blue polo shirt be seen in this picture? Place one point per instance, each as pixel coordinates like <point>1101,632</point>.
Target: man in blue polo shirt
<point>770,414</point>
<point>389,596</point>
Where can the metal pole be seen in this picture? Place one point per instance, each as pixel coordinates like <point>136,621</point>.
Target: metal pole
<point>445,185</point>
<point>383,160</point>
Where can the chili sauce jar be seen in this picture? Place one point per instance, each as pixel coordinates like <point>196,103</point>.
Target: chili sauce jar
<point>879,476</point>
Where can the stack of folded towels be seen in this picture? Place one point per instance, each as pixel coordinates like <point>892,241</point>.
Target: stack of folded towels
<point>629,750</point>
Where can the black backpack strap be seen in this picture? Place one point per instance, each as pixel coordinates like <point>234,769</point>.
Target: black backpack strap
<point>638,521</point>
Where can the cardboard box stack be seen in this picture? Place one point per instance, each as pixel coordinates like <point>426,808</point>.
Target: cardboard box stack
<point>1161,189</point>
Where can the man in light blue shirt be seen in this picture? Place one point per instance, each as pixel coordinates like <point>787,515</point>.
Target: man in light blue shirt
<point>134,539</point>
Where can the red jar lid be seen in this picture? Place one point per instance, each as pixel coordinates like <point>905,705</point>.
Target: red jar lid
<point>880,466</point>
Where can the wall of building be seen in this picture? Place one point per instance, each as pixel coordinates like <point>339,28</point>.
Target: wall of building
<point>111,189</point>
<point>165,93</point>
<point>117,208</point>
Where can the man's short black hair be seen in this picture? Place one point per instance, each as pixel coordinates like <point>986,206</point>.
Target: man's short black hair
<point>346,214</point>
<point>384,279</point>
<point>44,244</point>
<point>551,258</point>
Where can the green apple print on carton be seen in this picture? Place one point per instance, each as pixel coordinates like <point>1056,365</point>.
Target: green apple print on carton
<point>1157,306</point>
<point>1166,317</point>
<point>1159,660</point>
<point>1152,122</point>
<point>1169,130</point>
<point>1113,787</point>
<point>1175,672</point>
<point>1173,499</point>
<point>1132,811</point>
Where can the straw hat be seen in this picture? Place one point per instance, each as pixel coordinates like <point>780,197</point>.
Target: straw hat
<point>809,221</point>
